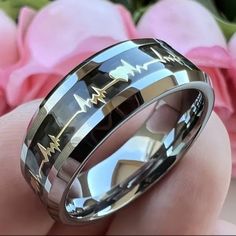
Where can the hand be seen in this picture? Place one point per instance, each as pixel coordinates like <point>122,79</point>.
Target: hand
<point>187,201</point>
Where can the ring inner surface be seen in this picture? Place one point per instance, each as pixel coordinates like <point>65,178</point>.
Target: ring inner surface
<point>140,151</point>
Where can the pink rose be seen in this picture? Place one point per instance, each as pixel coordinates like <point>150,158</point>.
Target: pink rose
<point>231,122</point>
<point>8,54</point>
<point>58,37</point>
<point>45,45</point>
<point>192,30</point>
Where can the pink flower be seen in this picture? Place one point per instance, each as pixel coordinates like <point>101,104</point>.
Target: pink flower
<point>231,122</point>
<point>54,40</point>
<point>192,30</point>
<point>45,45</point>
<point>8,54</point>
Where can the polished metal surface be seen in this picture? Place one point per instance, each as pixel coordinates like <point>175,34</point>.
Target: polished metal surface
<point>114,126</point>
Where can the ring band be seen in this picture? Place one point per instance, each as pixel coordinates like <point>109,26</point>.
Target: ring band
<point>113,127</point>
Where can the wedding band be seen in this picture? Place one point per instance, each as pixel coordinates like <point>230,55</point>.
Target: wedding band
<point>113,127</point>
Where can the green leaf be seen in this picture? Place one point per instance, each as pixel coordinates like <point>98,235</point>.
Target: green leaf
<point>227,9</point>
<point>126,3</point>
<point>138,13</point>
<point>7,8</point>
<point>227,27</point>
<point>136,7</point>
<point>12,7</point>
<point>210,5</point>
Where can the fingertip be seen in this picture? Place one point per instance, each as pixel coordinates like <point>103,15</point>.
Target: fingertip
<point>17,198</point>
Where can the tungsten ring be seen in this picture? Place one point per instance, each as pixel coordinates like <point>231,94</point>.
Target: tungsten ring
<point>113,127</point>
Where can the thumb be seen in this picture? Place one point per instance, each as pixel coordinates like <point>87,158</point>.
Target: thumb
<point>21,211</point>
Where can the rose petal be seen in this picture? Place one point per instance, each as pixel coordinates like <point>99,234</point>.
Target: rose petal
<point>35,86</point>
<point>59,37</point>
<point>25,84</point>
<point>70,61</point>
<point>191,29</point>
<point>223,103</point>
<point>216,62</point>
<point>232,45</point>
<point>184,24</point>
<point>214,56</point>
<point>3,103</point>
<point>26,16</point>
<point>232,50</point>
<point>8,52</point>
<point>127,22</point>
<point>61,26</point>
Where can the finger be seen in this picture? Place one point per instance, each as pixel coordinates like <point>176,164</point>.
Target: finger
<point>18,198</point>
<point>94,228</point>
<point>224,228</point>
<point>21,211</point>
<point>188,200</point>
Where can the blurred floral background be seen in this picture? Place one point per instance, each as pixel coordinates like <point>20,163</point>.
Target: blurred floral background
<point>42,40</point>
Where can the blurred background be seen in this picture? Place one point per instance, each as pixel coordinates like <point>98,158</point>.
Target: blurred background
<point>42,40</point>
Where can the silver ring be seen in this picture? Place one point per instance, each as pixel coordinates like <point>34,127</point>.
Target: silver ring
<point>113,127</point>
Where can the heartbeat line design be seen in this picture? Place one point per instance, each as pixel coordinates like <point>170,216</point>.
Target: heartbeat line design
<point>99,95</point>
<point>121,73</point>
<point>126,69</point>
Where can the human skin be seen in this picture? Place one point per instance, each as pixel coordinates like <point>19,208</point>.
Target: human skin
<point>188,200</point>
